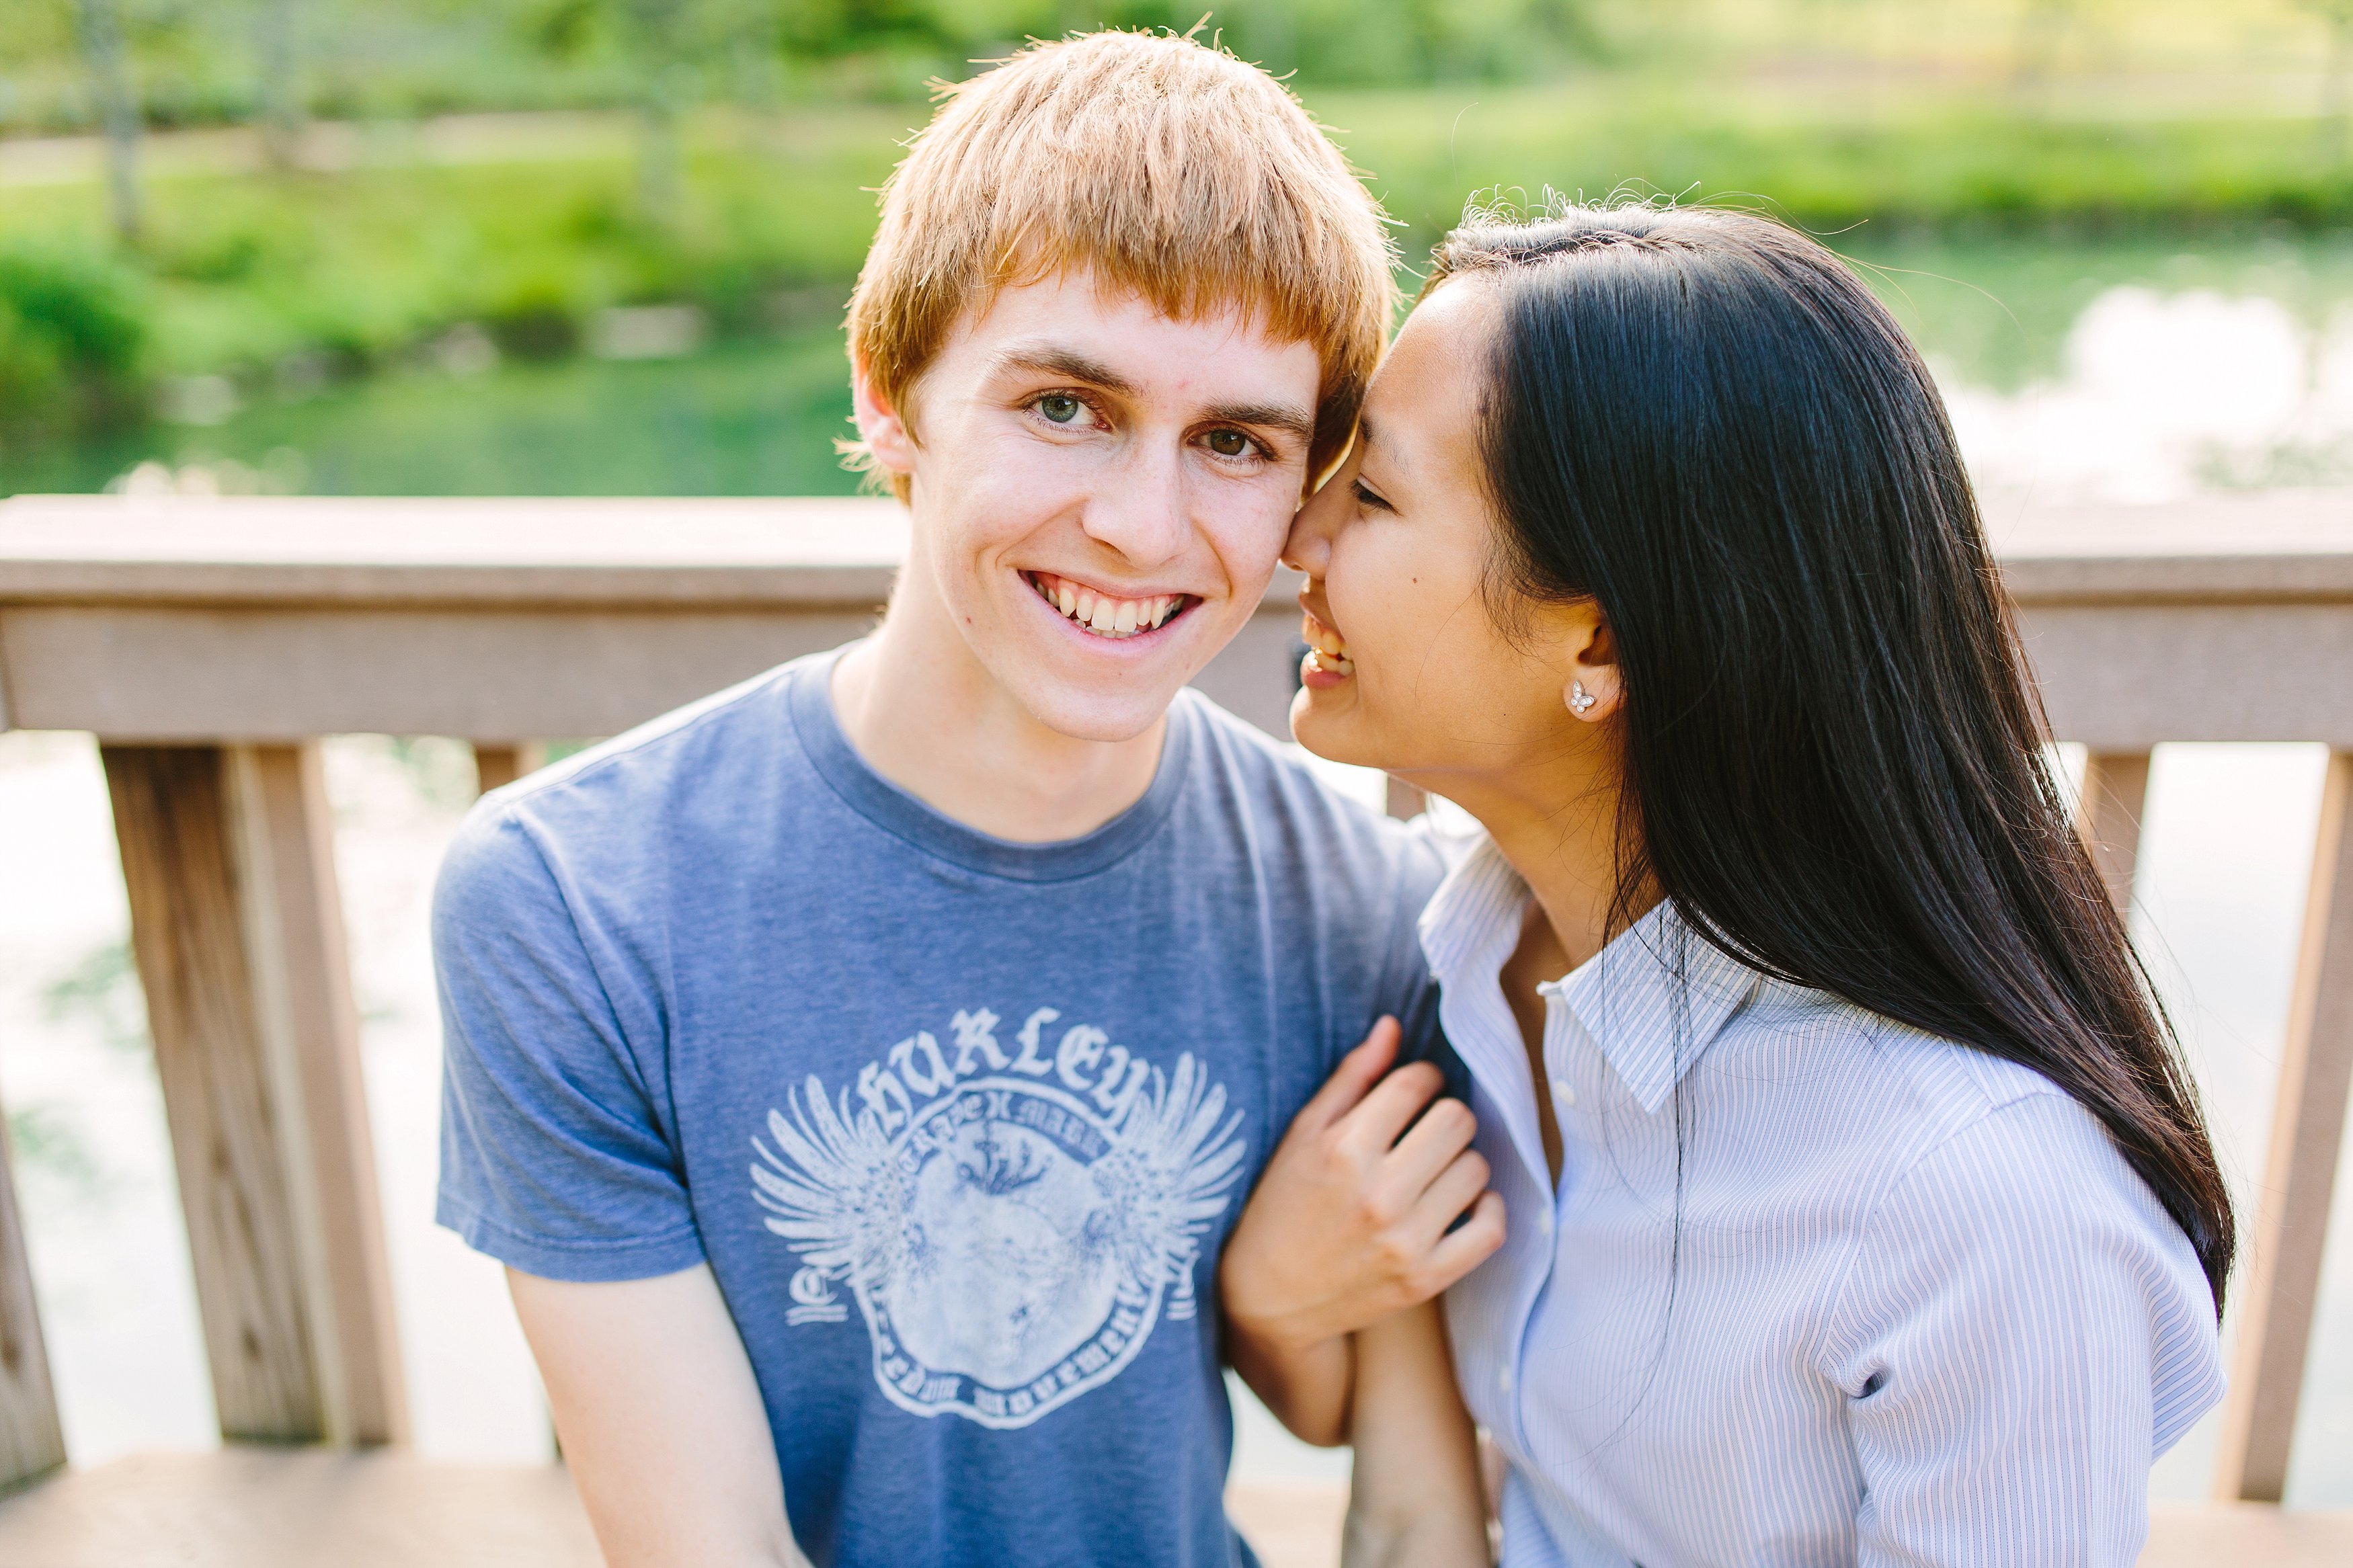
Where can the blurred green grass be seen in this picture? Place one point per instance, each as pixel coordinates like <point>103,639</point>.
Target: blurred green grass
<point>324,276</point>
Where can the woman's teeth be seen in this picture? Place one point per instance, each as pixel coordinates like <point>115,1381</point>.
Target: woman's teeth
<point>1325,647</point>
<point>1100,612</point>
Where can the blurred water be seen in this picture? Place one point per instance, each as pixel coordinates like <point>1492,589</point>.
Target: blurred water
<point>2123,370</point>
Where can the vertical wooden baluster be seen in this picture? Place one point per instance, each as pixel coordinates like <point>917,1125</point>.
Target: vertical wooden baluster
<point>296,917</point>
<point>31,1441</point>
<point>227,858</point>
<point>495,766</point>
<point>2277,1288</point>
<point>2116,786</point>
<point>500,763</point>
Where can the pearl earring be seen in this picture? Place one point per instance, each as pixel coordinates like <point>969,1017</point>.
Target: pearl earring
<point>1580,700</point>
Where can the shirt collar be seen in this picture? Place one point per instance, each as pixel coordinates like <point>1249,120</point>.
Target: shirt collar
<point>1654,1000</point>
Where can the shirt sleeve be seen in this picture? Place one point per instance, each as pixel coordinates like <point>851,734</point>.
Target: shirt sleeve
<point>1409,989</point>
<point>2024,1331</point>
<point>553,1157</point>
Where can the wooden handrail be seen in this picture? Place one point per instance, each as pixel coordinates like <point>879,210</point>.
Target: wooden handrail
<point>209,643</point>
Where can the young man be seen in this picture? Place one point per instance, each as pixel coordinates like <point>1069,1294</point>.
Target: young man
<point>860,1070</point>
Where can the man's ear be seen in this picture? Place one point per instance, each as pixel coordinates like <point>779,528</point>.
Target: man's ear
<point>881,429</point>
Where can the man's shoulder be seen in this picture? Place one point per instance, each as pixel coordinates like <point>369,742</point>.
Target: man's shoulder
<point>638,793</point>
<point>1300,821</point>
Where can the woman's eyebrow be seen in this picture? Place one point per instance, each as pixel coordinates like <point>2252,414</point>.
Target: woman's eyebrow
<point>1367,438</point>
<point>1056,361</point>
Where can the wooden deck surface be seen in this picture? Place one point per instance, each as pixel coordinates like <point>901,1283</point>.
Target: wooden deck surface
<point>260,1508</point>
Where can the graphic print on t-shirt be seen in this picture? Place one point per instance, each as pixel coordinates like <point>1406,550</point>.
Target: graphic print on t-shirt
<point>1008,1223</point>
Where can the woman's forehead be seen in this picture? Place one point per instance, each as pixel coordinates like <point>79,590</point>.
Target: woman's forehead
<point>1421,412</point>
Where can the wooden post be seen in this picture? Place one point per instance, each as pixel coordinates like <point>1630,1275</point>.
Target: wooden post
<point>236,922</point>
<point>2116,786</point>
<point>31,1441</point>
<point>498,763</point>
<point>2276,1294</point>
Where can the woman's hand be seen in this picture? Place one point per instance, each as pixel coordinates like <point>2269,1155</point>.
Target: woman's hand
<point>1349,1226</point>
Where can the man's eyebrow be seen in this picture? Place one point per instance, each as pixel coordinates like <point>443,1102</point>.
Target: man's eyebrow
<point>1286,417</point>
<point>1067,362</point>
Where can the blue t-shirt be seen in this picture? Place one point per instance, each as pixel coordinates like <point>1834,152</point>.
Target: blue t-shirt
<point>959,1124</point>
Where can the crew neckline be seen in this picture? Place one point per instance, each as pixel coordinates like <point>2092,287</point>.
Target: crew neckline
<point>904,817</point>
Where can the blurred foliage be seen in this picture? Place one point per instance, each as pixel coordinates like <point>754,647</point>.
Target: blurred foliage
<point>45,1140</point>
<point>740,182</point>
<point>100,990</point>
<point>203,61</point>
<point>71,338</point>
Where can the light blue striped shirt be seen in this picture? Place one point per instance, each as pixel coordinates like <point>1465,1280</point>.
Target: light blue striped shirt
<point>1916,1308</point>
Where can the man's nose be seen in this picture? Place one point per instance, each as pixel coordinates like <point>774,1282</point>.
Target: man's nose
<point>1142,511</point>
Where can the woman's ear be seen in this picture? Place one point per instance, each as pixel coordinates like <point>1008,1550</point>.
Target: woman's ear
<point>881,429</point>
<point>1597,687</point>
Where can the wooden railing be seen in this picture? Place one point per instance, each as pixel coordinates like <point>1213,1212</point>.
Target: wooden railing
<point>209,643</point>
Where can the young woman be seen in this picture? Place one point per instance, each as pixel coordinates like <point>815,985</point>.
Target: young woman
<point>1860,1209</point>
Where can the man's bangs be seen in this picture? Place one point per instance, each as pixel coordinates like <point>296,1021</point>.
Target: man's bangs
<point>1158,165</point>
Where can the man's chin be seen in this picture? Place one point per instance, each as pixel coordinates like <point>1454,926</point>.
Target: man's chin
<point>1082,715</point>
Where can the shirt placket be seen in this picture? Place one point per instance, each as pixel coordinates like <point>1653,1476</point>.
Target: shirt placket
<point>1557,1081</point>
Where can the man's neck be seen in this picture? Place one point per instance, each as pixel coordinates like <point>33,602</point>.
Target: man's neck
<point>925,714</point>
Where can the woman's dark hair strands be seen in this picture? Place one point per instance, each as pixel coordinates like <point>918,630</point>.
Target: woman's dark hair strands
<point>1703,422</point>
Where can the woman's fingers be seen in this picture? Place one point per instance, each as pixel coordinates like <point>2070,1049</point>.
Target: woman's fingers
<point>1459,1251</point>
<point>1357,1072</point>
<point>1370,1131</point>
<point>1430,1145</point>
<point>1456,1188</point>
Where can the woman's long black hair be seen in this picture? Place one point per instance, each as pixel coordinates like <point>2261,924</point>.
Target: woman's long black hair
<point>1705,423</point>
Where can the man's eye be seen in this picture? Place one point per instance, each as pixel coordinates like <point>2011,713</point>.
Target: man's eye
<point>1229,443</point>
<point>1060,407</point>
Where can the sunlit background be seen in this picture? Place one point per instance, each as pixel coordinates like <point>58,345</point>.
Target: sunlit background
<point>600,246</point>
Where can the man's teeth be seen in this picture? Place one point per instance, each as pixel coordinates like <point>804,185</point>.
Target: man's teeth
<point>1102,613</point>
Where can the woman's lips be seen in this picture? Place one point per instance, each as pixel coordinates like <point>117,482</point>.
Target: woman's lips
<point>1327,651</point>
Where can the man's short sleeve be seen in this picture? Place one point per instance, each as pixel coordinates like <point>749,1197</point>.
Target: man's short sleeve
<point>553,1157</point>
<point>1412,990</point>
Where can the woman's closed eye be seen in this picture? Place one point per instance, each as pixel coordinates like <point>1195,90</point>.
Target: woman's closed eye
<point>1371,500</point>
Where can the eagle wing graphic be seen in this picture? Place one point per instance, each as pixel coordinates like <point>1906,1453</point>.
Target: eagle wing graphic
<point>1169,1173</point>
<point>833,1189</point>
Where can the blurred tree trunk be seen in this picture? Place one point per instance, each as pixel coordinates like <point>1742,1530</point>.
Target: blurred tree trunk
<point>2337,16</point>
<point>281,92</point>
<point>2042,27</point>
<point>109,70</point>
<point>661,172</point>
<point>662,165</point>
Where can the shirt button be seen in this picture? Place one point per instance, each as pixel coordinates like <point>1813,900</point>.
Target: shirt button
<point>1564,1092</point>
<point>1504,1380</point>
<point>1544,1222</point>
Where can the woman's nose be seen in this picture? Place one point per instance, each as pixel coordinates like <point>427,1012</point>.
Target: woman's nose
<point>1309,548</point>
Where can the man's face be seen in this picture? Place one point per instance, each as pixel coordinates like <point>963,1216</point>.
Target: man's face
<point>1099,493</point>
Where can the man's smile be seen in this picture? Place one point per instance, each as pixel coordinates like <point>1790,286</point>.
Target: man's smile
<point>1103,613</point>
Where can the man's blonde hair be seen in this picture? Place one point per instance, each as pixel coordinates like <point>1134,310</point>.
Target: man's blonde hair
<point>1163,166</point>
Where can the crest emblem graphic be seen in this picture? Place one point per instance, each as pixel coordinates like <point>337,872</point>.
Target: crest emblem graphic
<point>1010,1228</point>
